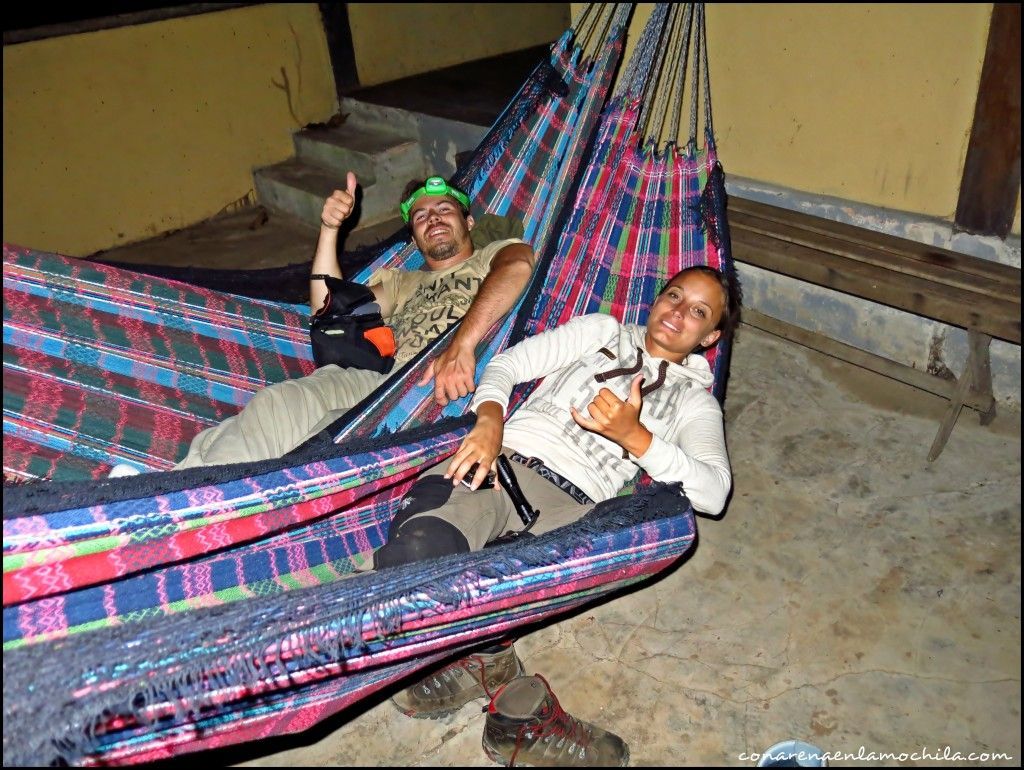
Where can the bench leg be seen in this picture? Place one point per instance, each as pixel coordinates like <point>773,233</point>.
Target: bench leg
<point>977,376</point>
<point>982,374</point>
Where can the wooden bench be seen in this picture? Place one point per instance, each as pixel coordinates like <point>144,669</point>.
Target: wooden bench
<point>975,294</point>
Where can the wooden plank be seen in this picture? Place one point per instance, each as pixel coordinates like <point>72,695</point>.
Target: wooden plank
<point>991,181</point>
<point>876,248</point>
<point>899,247</point>
<point>878,364</point>
<point>885,260</point>
<point>998,318</point>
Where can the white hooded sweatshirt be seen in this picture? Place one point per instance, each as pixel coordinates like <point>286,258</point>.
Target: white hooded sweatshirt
<point>592,352</point>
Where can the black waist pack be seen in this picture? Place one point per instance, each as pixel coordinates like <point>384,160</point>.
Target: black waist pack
<point>348,330</point>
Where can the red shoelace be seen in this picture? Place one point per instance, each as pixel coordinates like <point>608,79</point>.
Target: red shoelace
<point>557,722</point>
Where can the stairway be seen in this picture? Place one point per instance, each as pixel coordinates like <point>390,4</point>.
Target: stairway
<point>385,146</point>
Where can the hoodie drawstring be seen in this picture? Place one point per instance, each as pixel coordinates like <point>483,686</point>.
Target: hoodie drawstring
<point>647,389</point>
<point>612,373</point>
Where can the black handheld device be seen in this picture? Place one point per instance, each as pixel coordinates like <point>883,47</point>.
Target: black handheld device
<point>510,484</point>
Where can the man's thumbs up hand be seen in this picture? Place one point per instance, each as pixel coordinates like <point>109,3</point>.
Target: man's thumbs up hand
<point>339,206</point>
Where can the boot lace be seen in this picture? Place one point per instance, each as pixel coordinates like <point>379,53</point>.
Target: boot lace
<point>473,665</point>
<point>555,722</point>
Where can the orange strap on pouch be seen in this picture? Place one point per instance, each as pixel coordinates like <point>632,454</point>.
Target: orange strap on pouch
<point>383,339</point>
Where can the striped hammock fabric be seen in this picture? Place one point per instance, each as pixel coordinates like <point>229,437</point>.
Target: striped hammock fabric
<point>174,612</point>
<point>103,366</point>
<point>285,659</point>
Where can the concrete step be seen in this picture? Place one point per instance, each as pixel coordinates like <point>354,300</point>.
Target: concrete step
<point>440,140</point>
<point>295,188</point>
<point>374,154</point>
<point>382,160</point>
<point>299,189</point>
<point>377,117</point>
<point>386,147</point>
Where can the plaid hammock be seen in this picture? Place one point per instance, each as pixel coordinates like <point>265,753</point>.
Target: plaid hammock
<point>104,366</point>
<point>97,576</point>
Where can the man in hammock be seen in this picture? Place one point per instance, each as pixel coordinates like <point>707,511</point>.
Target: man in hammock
<point>459,281</point>
<point>615,399</point>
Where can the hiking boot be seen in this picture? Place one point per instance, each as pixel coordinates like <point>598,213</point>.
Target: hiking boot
<point>525,725</point>
<point>447,690</point>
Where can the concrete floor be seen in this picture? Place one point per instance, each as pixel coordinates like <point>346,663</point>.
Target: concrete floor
<point>854,595</point>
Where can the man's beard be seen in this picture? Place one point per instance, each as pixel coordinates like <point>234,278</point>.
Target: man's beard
<point>443,251</point>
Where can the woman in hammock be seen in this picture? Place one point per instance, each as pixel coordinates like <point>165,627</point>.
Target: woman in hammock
<point>615,398</point>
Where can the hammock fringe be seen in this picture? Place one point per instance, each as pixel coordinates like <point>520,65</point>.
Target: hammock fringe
<point>341,633</point>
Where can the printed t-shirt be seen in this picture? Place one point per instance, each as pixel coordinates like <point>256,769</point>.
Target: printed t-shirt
<point>427,302</point>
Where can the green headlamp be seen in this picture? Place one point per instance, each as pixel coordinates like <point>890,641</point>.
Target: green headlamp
<point>434,186</point>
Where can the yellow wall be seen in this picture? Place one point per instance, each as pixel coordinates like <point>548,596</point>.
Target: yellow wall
<point>872,103</point>
<point>117,135</point>
<point>396,40</point>
<point>868,102</point>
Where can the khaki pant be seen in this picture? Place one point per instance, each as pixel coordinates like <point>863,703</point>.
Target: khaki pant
<point>486,514</point>
<point>281,416</point>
